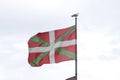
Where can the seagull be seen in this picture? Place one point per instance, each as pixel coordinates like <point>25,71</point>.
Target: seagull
<point>75,15</point>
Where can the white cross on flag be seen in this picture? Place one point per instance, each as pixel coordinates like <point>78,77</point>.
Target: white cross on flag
<point>52,47</point>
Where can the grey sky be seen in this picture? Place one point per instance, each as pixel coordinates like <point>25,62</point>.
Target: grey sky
<point>98,38</point>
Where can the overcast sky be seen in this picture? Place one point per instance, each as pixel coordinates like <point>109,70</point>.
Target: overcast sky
<point>98,38</point>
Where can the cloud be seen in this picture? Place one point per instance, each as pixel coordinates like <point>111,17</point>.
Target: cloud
<point>98,38</point>
<point>99,69</point>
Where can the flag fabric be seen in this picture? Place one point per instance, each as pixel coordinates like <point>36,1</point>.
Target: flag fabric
<point>52,46</point>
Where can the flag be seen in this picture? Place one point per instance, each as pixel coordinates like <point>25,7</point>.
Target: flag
<point>52,46</point>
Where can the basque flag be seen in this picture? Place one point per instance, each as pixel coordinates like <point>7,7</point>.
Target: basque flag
<point>52,46</point>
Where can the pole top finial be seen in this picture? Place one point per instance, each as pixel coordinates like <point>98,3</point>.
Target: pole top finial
<point>75,15</point>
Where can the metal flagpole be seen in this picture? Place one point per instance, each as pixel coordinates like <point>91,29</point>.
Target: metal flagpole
<point>75,16</point>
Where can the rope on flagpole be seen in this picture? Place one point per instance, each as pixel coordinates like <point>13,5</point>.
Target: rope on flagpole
<point>75,16</point>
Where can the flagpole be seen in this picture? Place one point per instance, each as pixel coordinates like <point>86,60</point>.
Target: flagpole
<point>75,16</point>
